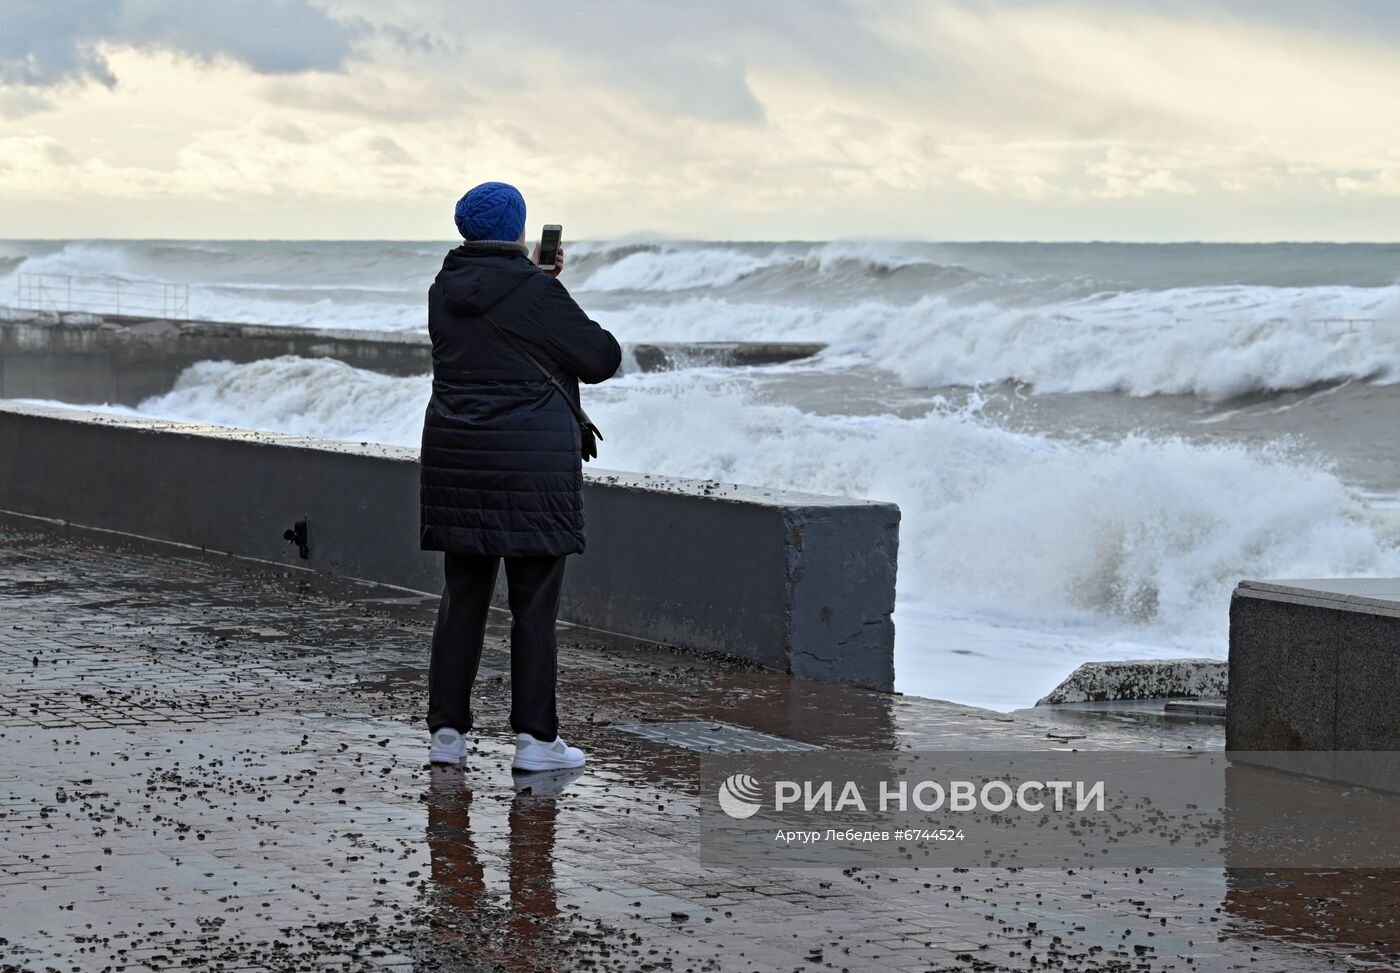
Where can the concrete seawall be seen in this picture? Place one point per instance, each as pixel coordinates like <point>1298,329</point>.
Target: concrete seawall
<point>796,582</point>
<point>78,357</point>
<point>1315,665</point>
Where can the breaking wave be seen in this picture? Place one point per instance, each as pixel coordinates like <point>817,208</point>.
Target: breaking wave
<point>1147,320</point>
<point>1214,343</point>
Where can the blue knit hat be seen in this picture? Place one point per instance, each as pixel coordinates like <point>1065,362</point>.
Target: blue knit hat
<point>491,211</point>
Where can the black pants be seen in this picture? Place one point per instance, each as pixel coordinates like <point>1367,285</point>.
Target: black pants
<point>533,584</point>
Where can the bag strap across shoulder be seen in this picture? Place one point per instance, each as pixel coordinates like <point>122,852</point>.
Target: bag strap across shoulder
<point>577,409</point>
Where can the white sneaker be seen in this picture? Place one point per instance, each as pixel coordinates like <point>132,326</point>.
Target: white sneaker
<point>532,754</point>
<point>449,747</point>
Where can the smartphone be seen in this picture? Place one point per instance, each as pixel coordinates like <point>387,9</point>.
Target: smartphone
<point>549,243</point>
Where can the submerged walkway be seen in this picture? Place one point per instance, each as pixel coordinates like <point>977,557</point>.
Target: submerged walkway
<point>206,764</point>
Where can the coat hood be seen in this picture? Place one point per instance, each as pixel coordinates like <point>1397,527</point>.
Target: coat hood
<point>476,276</point>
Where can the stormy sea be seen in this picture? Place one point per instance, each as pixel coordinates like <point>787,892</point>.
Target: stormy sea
<point>1090,443</point>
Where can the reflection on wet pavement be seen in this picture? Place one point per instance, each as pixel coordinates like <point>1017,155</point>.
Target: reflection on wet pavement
<point>208,764</point>
<point>522,921</point>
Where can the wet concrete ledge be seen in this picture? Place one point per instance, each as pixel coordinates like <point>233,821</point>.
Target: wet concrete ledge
<point>796,582</point>
<point>123,359</point>
<point>1140,679</point>
<point>1315,665</point>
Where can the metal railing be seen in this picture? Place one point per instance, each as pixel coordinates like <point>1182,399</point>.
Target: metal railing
<point>1350,324</point>
<point>102,295</point>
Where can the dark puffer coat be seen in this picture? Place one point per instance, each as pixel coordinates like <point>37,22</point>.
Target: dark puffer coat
<point>501,472</point>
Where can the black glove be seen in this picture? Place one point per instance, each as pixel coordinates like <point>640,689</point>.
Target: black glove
<point>590,437</point>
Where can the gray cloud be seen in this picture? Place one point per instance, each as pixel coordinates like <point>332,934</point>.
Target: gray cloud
<point>683,59</point>
<point>288,132</point>
<point>48,42</point>
<point>679,60</point>
<point>1377,19</point>
<point>386,150</point>
<point>19,102</point>
<point>1372,19</point>
<point>44,43</point>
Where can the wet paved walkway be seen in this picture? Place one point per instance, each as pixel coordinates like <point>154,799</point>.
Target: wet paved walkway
<point>206,764</point>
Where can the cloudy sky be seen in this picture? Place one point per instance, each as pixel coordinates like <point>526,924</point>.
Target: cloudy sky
<point>941,119</point>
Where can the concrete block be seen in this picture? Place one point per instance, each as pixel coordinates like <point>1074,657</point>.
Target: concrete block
<point>1315,665</point>
<point>841,639</point>
<point>1140,679</point>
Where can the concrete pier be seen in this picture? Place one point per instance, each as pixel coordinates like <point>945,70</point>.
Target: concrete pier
<point>796,582</point>
<point>121,360</point>
<point>1315,665</point>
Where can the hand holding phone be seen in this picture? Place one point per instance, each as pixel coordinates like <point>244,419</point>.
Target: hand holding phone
<point>550,254</point>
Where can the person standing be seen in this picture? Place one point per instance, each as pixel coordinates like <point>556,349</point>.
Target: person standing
<point>502,476</point>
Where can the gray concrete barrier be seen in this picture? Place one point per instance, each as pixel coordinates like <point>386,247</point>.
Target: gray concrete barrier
<point>796,582</point>
<point>119,359</point>
<point>1315,665</point>
<point>1140,679</point>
